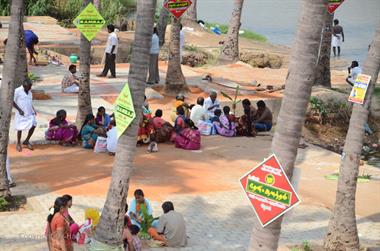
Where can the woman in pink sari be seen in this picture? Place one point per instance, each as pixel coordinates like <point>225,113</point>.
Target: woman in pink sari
<point>225,126</point>
<point>61,130</point>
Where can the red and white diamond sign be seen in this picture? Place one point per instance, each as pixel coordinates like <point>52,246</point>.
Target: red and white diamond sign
<point>177,7</point>
<point>269,190</point>
<point>333,5</point>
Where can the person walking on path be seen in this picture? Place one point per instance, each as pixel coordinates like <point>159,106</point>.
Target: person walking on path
<point>25,117</point>
<point>111,51</point>
<point>338,37</point>
<point>154,74</point>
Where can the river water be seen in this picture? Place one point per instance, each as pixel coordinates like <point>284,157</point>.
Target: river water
<point>277,19</point>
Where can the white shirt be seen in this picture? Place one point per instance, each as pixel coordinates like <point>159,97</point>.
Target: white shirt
<point>208,103</point>
<point>155,48</point>
<point>24,101</point>
<point>112,41</point>
<point>355,72</point>
<point>198,113</point>
<point>112,140</point>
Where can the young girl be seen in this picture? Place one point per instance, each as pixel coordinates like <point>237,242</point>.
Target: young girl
<point>225,126</point>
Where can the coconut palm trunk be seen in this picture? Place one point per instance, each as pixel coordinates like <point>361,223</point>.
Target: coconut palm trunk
<point>12,55</point>
<point>230,49</point>
<point>175,80</point>
<point>97,4</point>
<point>22,64</point>
<point>162,24</point>
<point>299,82</point>
<point>323,76</point>
<point>84,95</point>
<point>109,230</point>
<point>190,17</point>
<point>342,232</point>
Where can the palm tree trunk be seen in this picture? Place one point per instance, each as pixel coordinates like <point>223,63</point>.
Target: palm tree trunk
<point>323,76</point>
<point>299,82</point>
<point>12,54</point>
<point>162,24</point>
<point>22,64</point>
<point>84,95</point>
<point>190,17</point>
<point>109,230</point>
<point>230,50</point>
<point>342,232</point>
<point>97,4</point>
<point>175,80</point>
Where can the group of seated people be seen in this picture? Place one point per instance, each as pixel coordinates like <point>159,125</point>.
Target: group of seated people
<point>68,135</point>
<point>169,229</point>
<point>207,118</point>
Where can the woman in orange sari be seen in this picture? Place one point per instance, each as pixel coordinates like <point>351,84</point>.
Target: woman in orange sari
<point>59,237</point>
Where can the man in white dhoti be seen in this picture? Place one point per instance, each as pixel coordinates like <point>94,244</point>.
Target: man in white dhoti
<point>25,116</point>
<point>338,37</point>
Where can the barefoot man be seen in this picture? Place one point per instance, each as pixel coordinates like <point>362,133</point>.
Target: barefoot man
<point>338,37</point>
<point>25,117</point>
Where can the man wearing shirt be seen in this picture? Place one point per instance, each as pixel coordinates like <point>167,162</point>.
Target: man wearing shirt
<point>111,50</point>
<point>198,112</point>
<point>353,71</point>
<point>211,104</point>
<point>154,75</point>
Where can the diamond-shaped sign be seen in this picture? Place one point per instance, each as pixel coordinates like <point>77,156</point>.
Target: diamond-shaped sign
<point>333,5</point>
<point>177,7</point>
<point>269,190</point>
<point>124,110</point>
<point>89,22</point>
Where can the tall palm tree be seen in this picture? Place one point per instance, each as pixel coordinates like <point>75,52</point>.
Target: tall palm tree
<point>342,232</point>
<point>230,50</point>
<point>12,54</point>
<point>162,24</point>
<point>109,230</point>
<point>84,95</point>
<point>97,4</point>
<point>299,82</point>
<point>323,74</point>
<point>175,80</point>
<point>190,17</point>
<point>22,64</point>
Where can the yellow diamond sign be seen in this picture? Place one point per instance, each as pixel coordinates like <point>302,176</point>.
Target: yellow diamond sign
<point>89,22</point>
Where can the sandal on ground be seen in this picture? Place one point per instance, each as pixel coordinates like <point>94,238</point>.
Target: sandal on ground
<point>28,145</point>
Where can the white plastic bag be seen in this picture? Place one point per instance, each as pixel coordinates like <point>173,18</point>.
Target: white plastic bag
<point>206,128</point>
<point>100,145</point>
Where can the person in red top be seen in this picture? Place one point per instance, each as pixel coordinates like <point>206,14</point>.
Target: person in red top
<point>59,238</point>
<point>163,129</point>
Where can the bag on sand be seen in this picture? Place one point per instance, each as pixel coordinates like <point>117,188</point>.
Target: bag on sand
<point>206,128</point>
<point>100,145</point>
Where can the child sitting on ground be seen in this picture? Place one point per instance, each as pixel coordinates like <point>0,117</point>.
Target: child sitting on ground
<point>217,114</point>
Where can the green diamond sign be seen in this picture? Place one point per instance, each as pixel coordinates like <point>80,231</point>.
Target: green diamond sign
<point>89,22</point>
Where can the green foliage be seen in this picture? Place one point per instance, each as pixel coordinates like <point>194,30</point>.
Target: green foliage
<point>33,77</point>
<point>332,111</point>
<point>234,100</point>
<point>39,7</point>
<point>115,10</point>
<point>147,220</point>
<point>3,204</point>
<point>247,33</point>
<point>377,92</point>
<point>318,106</point>
<point>306,246</point>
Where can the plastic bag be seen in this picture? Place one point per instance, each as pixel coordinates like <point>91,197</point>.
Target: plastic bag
<point>93,214</point>
<point>100,145</point>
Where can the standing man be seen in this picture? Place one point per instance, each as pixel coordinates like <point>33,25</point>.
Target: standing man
<point>31,40</point>
<point>25,117</point>
<point>154,74</point>
<point>211,104</point>
<point>181,42</point>
<point>338,37</point>
<point>111,50</point>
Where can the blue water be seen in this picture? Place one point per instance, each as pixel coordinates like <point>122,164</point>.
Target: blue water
<point>277,19</point>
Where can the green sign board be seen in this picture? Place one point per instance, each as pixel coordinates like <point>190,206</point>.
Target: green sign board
<point>124,110</point>
<point>89,22</point>
<point>269,192</point>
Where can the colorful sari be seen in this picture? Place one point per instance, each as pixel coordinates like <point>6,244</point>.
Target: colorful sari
<point>188,139</point>
<point>145,129</point>
<point>225,126</point>
<point>89,136</point>
<point>163,130</point>
<point>62,131</point>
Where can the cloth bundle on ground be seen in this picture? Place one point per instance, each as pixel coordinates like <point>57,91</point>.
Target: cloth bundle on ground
<point>100,145</point>
<point>206,128</point>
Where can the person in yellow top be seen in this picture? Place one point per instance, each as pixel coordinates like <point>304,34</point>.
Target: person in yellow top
<point>179,101</point>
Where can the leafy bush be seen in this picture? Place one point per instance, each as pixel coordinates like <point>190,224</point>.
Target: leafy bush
<point>333,112</point>
<point>3,204</point>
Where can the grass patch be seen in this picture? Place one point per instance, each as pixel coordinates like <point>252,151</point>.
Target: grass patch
<point>247,33</point>
<point>377,92</point>
<point>361,178</point>
<point>13,203</point>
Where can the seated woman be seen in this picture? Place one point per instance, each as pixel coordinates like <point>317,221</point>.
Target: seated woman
<point>180,101</point>
<point>188,138</point>
<point>90,131</point>
<point>146,131</point>
<point>163,129</point>
<point>225,126</point>
<point>136,208</point>
<point>102,118</point>
<point>60,129</point>
<point>245,125</point>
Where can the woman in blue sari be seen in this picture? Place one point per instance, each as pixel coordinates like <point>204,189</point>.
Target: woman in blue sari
<point>90,131</point>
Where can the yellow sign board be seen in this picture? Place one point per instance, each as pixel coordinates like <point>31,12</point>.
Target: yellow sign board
<point>360,89</point>
<point>89,22</point>
<point>124,110</point>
